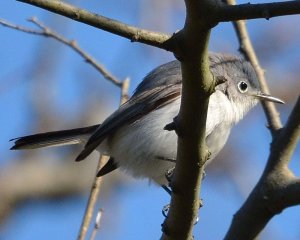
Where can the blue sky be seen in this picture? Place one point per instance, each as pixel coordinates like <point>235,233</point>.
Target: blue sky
<point>133,210</point>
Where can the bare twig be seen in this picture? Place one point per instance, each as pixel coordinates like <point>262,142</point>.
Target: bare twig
<point>124,90</point>
<point>248,51</point>
<point>97,181</point>
<point>124,85</point>
<point>19,28</point>
<point>124,30</point>
<point>254,11</point>
<point>47,32</point>
<point>97,224</point>
<point>92,201</point>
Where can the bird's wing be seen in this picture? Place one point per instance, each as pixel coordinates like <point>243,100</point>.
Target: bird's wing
<point>160,87</point>
<point>137,107</point>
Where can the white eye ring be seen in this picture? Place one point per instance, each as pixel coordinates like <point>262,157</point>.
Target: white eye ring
<point>243,86</point>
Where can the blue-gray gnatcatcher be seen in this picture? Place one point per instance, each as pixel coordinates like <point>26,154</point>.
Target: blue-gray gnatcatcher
<point>134,135</point>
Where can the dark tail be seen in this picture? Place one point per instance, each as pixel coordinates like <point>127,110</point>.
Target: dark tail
<point>57,138</point>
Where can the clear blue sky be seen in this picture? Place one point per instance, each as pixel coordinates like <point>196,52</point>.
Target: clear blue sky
<point>134,211</point>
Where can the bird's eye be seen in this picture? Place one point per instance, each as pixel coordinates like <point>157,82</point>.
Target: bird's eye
<point>242,86</point>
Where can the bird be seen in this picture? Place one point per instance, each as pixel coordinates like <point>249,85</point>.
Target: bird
<point>134,137</point>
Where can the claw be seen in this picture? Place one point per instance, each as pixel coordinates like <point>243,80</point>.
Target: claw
<point>169,174</point>
<point>165,210</point>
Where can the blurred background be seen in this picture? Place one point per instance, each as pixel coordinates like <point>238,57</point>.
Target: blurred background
<point>45,86</point>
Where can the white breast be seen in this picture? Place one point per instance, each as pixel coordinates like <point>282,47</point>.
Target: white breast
<point>139,147</point>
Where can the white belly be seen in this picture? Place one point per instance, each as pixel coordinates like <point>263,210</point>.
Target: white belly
<point>139,152</point>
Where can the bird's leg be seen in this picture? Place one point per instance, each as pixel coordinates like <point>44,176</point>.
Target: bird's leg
<point>168,173</point>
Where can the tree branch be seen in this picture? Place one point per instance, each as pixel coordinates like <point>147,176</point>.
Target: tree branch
<point>47,32</point>
<point>192,152</point>
<point>247,49</point>
<point>291,194</point>
<point>277,189</point>
<point>97,224</point>
<point>284,145</point>
<point>253,11</point>
<point>95,190</point>
<point>110,25</point>
<point>124,90</point>
<point>223,14</point>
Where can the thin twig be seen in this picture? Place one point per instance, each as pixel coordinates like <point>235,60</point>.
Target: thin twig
<point>97,224</point>
<point>124,90</point>
<point>92,201</point>
<point>259,10</point>
<point>134,34</point>
<point>19,28</point>
<point>123,85</point>
<point>47,32</point>
<point>246,48</point>
<point>97,181</point>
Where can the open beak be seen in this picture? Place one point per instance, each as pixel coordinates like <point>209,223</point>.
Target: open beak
<point>267,97</point>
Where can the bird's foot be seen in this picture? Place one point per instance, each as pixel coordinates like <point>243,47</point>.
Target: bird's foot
<point>165,211</point>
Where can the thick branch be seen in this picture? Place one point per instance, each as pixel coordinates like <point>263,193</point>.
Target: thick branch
<point>252,11</point>
<point>192,152</point>
<point>291,194</point>
<point>222,14</point>
<point>113,26</point>
<point>277,189</point>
